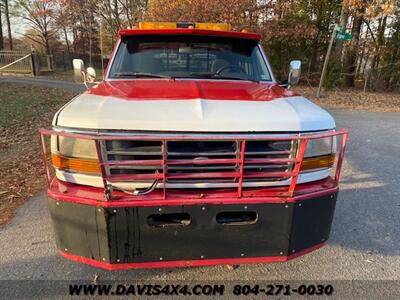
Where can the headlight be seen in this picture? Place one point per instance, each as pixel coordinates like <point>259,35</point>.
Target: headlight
<point>320,153</point>
<point>74,155</point>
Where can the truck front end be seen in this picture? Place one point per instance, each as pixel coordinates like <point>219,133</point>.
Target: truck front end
<point>190,154</point>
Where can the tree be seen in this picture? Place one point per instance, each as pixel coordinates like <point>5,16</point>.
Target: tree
<point>295,29</point>
<point>7,15</point>
<point>1,30</point>
<point>240,13</point>
<point>110,12</point>
<point>62,20</point>
<point>39,15</point>
<point>343,19</point>
<point>133,10</point>
<point>364,13</point>
<point>357,10</point>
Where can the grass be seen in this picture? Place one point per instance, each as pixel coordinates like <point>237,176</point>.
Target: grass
<point>22,103</point>
<point>23,109</point>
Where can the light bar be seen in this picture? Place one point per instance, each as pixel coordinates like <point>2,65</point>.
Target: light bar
<point>173,25</point>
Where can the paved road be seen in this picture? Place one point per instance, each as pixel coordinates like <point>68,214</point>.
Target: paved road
<point>52,83</point>
<point>364,243</point>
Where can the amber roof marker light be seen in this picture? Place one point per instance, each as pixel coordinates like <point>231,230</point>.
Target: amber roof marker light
<point>185,25</point>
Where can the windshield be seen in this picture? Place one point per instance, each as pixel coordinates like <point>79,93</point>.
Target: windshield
<point>185,56</point>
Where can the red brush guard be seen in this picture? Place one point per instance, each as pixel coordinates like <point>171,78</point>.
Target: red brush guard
<point>115,229</point>
<point>239,176</point>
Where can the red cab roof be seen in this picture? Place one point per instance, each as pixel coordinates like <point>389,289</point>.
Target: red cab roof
<point>191,31</point>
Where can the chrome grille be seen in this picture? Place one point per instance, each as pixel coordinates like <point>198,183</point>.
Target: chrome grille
<point>148,152</point>
<point>193,164</point>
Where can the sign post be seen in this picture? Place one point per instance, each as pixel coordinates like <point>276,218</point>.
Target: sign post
<point>340,34</point>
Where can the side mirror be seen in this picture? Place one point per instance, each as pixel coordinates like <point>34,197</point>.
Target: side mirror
<point>90,75</point>
<point>80,75</point>
<point>79,70</point>
<point>294,72</point>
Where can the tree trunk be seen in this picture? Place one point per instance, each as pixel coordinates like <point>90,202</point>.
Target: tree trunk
<point>1,32</point>
<point>315,64</point>
<point>75,36</point>
<point>116,15</point>
<point>7,14</point>
<point>351,55</point>
<point>46,38</point>
<point>47,45</point>
<point>394,76</point>
<point>362,55</point>
<point>66,39</point>
<point>379,42</point>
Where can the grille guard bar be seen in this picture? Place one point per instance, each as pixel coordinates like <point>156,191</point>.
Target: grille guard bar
<point>293,174</point>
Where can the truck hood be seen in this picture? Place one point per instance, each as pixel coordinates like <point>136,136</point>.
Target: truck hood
<point>192,106</point>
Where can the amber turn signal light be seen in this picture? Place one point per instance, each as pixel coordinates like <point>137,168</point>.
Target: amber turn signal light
<point>75,164</point>
<point>325,161</point>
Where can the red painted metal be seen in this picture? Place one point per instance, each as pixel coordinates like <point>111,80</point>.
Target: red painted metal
<point>192,137</point>
<point>102,168</point>
<point>115,47</point>
<point>177,162</point>
<point>176,90</point>
<point>191,31</point>
<point>74,193</point>
<point>186,263</point>
<point>164,167</point>
<point>341,154</point>
<point>45,160</point>
<point>287,192</point>
<point>241,166</point>
<point>297,166</point>
<point>205,175</point>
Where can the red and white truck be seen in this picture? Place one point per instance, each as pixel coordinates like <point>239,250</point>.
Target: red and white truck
<point>190,153</point>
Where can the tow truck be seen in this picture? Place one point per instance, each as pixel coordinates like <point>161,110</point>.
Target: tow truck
<point>190,153</point>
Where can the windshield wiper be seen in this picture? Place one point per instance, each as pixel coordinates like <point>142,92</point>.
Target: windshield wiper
<point>232,78</point>
<point>140,74</point>
<point>218,76</point>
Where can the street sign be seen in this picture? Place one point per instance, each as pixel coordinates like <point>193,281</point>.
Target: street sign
<point>343,36</point>
<point>339,33</point>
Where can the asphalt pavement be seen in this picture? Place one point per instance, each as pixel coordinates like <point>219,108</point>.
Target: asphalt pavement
<point>43,81</point>
<point>364,242</point>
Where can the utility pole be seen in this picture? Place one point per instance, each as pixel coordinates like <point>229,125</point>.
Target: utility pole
<point>340,34</point>
<point>328,54</point>
<point>101,48</point>
<point>90,41</point>
<point>344,15</point>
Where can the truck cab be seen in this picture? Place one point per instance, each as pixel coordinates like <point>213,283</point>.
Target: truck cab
<point>190,153</point>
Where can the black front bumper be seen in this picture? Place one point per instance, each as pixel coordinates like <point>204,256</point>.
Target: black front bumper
<point>121,237</point>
